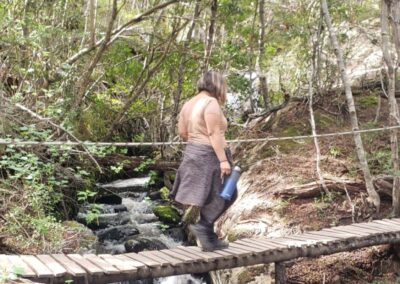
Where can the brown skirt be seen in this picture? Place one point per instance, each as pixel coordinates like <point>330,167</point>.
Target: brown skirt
<point>197,176</point>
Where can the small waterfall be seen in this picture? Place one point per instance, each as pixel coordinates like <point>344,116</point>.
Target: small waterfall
<point>141,217</point>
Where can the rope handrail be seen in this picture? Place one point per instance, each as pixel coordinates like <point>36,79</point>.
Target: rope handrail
<point>21,143</point>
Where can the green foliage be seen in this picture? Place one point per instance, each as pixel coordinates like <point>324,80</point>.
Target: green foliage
<point>12,274</point>
<point>164,193</point>
<point>334,151</point>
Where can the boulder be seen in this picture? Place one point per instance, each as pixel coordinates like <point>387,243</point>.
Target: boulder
<point>141,244</point>
<point>107,198</point>
<point>167,214</point>
<point>177,234</point>
<point>103,221</point>
<point>117,233</point>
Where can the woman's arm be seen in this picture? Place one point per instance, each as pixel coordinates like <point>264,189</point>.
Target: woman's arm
<point>213,119</point>
<point>182,125</point>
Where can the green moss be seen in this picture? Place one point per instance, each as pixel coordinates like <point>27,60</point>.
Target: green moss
<point>167,214</point>
<point>367,101</point>
<point>164,192</point>
<point>232,237</point>
<point>323,120</point>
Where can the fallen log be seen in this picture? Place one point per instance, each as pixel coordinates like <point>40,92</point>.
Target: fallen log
<point>131,163</point>
<point>314,189</point>
<point>384,185</point>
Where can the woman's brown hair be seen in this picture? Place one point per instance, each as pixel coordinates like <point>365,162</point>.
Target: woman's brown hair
<point>214,83</point>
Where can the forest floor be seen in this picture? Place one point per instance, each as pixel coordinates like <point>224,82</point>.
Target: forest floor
<point>294,162</point>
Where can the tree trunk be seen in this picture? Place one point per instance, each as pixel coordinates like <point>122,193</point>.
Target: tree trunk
<point>92,22</point>
<point>262,78</point>
<point>373,195</point>
<point>312,120</point>
<point>88,72</point>
<point>211,32</point>
<point>181,72</point>
<point>392,104</point>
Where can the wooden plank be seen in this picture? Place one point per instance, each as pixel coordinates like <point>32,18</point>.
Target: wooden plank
<point>184,257</point>
<point>161,261</point>
<point>143,259</point>
<point>207,256</point>
<point>106,267</point>
<point>72,268</point>
<point>267,241</point>
<point>265,244</point>
<point>322,239</point>
<point>85,264</point>
<point>250,244</point>
<point>122,266</point>
<point>373,227</point>
<point>37,266</point>
<point>360,228</point>
<point>344,234</point>
<point>304,241</point>
<point>334,234</point>
<point>56,268</point>
<point>235,251</point>
<point>254,250</point>
<point>388,223</point>
<point>132,262</point>
<point>16,262</point>
<point>386,228</point>
<point>173,258</point>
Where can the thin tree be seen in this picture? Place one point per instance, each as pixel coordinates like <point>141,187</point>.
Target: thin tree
<point>211,32</point>
<point>93,63</point>
<point>394,145</point>
<point>92,7</point>
<point>373,195</point>
<point>262,78</point>
<point>310,107</point>
<point>181,71</point>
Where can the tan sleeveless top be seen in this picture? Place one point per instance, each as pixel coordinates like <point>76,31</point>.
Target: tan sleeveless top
<point>194,114</point>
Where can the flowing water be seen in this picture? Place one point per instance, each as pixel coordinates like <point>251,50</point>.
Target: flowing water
<point>142,217</point>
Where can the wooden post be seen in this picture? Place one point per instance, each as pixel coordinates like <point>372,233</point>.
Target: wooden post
<point>280,273</point>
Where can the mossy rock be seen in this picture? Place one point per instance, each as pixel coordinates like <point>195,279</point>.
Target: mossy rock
<point>167,214</point>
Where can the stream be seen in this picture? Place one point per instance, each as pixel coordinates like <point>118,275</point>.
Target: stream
<point>127,224</point>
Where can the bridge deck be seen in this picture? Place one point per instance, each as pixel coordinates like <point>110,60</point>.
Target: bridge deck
<point>106,268</point>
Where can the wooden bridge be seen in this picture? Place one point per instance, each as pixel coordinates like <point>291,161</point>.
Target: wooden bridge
<point>106,268</point>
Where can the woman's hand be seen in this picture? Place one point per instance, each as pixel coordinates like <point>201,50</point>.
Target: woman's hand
<point>225,168</point>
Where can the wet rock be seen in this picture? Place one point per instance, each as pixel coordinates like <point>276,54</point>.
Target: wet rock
<point>141,244</point>
<point>106,208</point>
<point>117,233</point>
<point>167,214</point>
<point>103,221</point>
<point>111,199</point>
<point>161,194</point>
<point>177,234</point>
<point>155,195</point>
<point>132,184</point>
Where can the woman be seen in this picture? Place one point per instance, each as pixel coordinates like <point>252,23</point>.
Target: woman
<point>206,160</point>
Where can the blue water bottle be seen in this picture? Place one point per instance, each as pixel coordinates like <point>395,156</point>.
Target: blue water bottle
<point>229,184</point>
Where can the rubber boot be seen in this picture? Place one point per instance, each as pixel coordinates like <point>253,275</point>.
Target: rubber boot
<point>206,238</point>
